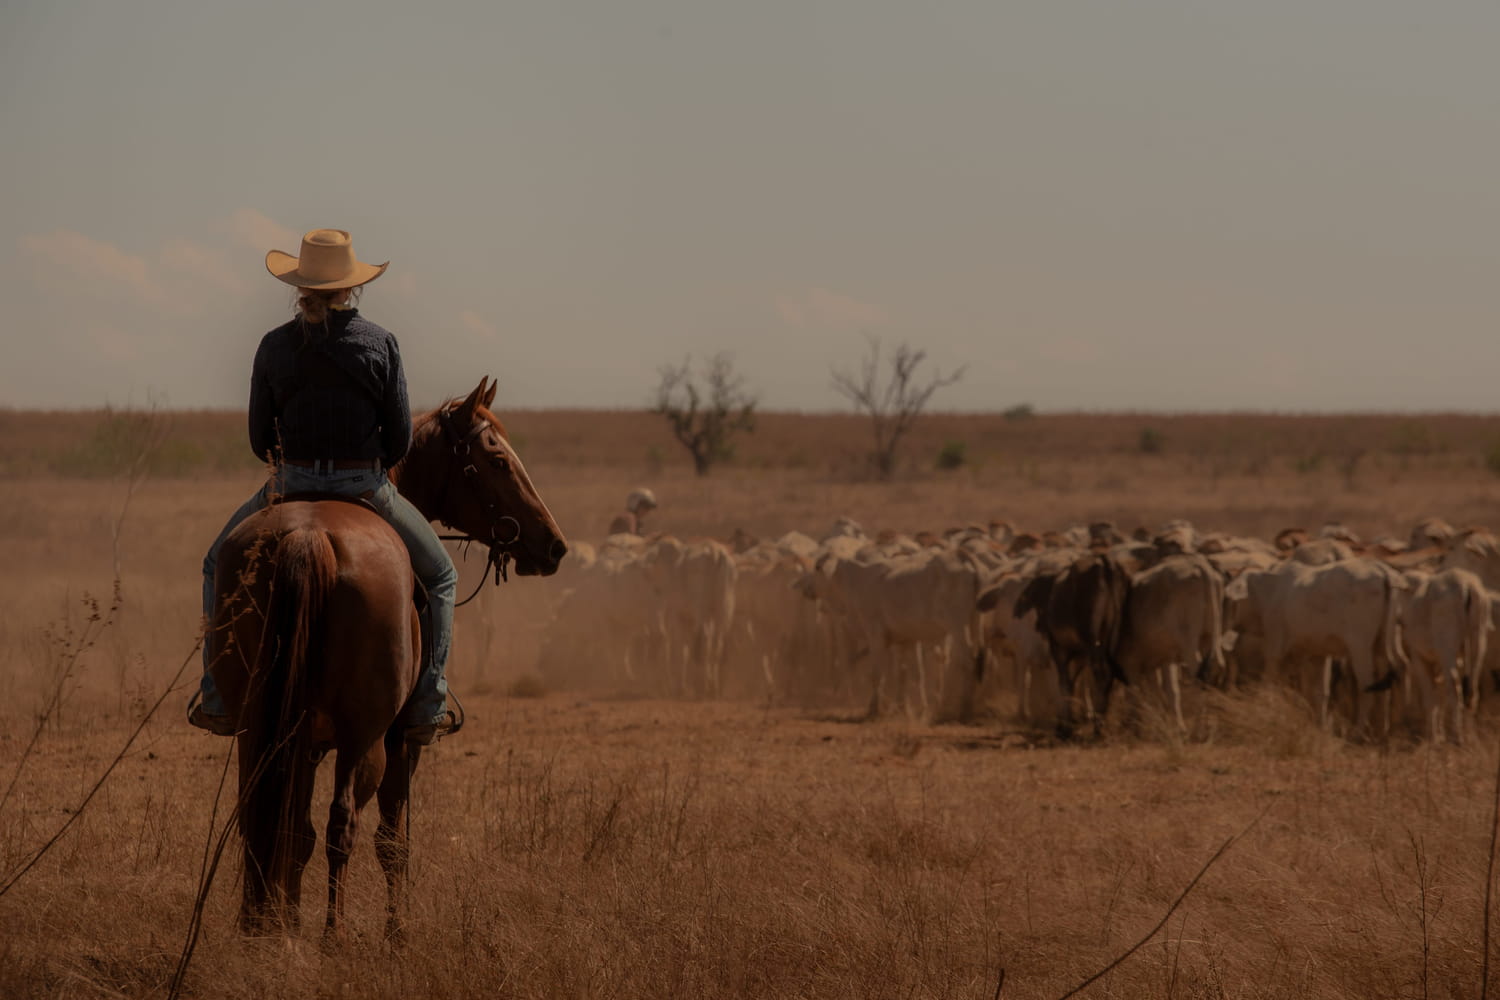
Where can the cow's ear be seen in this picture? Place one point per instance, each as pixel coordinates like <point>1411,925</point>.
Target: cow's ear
<point>988,599</point>
<point>1033,595</point>
<point>1239,588</point>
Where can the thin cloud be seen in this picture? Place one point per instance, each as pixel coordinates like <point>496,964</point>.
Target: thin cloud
<point>184,276</point>
<point>477,325</point>
<point>821,308</point>
<point>403,283</point>
<point>203,265</point>
<point>258,231</point>
<point>71,258</point>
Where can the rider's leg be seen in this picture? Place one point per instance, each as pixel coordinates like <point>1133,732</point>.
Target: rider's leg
<point>213,702</point>
<point>434,567</point>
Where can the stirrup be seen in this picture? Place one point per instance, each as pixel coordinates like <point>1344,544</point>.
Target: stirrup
<point>428,733</point>
<point>219,725</point>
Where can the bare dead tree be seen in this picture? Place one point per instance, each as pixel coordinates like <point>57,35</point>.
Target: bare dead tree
<point>892,400</point>
<point>707,409</point>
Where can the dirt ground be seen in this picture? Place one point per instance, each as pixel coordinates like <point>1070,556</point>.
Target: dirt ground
<point>572,843</point>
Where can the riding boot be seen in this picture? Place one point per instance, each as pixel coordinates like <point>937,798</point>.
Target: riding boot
<point>427,714</point>
<point>206,709</point>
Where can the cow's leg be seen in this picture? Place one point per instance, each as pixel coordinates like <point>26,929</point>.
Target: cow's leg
<point>1453,699</point>
<point>1362,677</point>
<point>1044,697</point>
<point>920,679</point>
<point>1172,678</point>
<point>1325,694</point>
<point>879,653</point>
<point>1023,681</point>
<point>1065,693</point>
<point>1423,677</point>
<point>355,778</point>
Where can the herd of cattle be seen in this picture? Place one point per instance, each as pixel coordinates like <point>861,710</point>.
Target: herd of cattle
<point>1369,634</point>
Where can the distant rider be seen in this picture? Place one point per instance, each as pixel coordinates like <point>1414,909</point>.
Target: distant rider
<point>638,504</point>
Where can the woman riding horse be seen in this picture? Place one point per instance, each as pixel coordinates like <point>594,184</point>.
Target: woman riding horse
<point>328,407</point>
<point>313,641</point>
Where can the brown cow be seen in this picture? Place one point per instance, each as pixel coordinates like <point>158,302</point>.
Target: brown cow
<point>1079,611</point>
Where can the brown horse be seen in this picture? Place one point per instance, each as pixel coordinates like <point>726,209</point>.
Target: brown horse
<point>316,646</point>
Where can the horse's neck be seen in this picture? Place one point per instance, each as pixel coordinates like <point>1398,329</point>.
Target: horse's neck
<point>419,475</point>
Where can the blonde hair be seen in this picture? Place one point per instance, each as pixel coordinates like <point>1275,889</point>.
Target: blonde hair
<point>313,303</point>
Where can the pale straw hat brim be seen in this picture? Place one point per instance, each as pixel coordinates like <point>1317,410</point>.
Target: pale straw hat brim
<point>283,267</point>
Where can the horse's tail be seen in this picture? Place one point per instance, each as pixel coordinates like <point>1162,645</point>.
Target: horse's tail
<point>274,753</point>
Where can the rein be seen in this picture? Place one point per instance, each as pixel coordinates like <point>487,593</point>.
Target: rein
<point>499,555</point>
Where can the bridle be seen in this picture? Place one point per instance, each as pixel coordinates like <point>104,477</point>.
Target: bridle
<point>499,555</point>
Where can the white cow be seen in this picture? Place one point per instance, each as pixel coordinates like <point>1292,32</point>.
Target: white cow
<point>1345,610</point>
<point>1014,642</point>
<point>893,606</point>
<point>608,627</point>
<point>693,582</point>
<point>1445,622</point>
<point>1173,619</point>
<point>1477,551</point>
<point>777,643</point>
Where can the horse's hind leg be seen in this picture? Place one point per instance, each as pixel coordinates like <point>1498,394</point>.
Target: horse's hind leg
<point>304,837</point>
<point>355,777</point>
<point>390,839</point>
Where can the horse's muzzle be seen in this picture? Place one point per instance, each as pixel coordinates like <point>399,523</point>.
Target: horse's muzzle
<point>542,565</point>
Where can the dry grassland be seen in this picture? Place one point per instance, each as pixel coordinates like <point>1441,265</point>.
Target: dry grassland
<point>574,843</point>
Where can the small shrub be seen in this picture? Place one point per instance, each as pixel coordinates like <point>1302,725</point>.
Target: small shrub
<point>1306,464</point>
<point>1151,441</point>
<point>1492,458</point>
<point>1020,412</point>
<point>951,456</point>
<point>654,460</point>
<point>1414,438</point>
<point>527,686</point>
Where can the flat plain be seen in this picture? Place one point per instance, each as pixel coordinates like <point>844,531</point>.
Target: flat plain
<point>582,843</point>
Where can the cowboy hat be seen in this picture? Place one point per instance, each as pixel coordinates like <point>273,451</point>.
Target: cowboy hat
<point>327,262</point>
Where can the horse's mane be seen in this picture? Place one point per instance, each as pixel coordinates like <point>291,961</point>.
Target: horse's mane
<point>427,422</point>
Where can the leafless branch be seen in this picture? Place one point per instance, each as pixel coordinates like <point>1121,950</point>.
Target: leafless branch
<point>893,401</point>
<point>705,417</point>
<point>73,816</point>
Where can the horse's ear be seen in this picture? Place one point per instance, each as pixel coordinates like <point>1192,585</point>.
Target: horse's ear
<point>466,410</point>
<point>489,397</point>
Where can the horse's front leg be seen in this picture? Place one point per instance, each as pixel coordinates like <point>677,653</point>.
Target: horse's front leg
<point>355,778</point>
<point>391,845</point>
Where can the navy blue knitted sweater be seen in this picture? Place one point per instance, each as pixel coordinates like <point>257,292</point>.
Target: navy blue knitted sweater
<point>332,391</point>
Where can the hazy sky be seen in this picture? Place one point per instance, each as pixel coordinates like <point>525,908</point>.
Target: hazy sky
<point>1278,204</point>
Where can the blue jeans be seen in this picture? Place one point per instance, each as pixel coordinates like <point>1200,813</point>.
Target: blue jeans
<point>429,560</point>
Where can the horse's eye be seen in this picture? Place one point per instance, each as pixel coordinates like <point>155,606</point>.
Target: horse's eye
<point>499,462</point>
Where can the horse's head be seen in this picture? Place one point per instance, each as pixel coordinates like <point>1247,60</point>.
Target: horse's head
<point>483,489</point>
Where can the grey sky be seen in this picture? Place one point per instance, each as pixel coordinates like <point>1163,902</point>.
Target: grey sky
<point>1103,205</point>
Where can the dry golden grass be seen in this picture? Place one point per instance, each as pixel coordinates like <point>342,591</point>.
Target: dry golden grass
<point>571,844</point>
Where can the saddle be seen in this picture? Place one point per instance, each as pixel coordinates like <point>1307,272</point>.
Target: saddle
<point>312,496</point>
<point>419,592</point>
